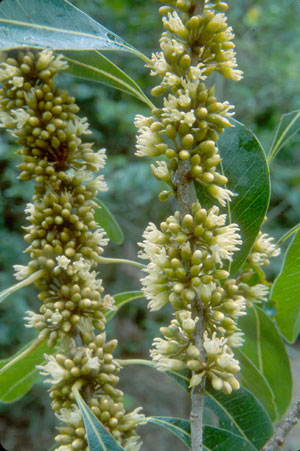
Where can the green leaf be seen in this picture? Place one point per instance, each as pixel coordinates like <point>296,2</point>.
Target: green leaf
<point>122,299</point>
<point>219,439</point>
<point>245,166</point>
<point>106,220</point>
<point>96,67</point>
<point>288,126</point>
<point>213,438</point>
<point>256,382</point>
<point>55,24</point>
<point>240,413</point>
<point>99,439</point>
<point>285,292</point>
<point>17,378</point>
<point>265,349</point>
<point>177,426</point>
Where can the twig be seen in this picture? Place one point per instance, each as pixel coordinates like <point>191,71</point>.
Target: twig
<point>284,428</point>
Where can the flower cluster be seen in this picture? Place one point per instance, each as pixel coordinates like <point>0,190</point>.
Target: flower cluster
<point>189,254</point>
<point>65,244</point>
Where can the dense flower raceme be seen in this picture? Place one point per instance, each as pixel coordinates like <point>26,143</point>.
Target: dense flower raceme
<point>190,252</point>
<point>65,244</point>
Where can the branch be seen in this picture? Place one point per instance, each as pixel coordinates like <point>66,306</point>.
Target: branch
<point>284,428</point>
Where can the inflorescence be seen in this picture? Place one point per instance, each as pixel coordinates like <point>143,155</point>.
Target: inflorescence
<point>190,252</point>
<point>65,245</point>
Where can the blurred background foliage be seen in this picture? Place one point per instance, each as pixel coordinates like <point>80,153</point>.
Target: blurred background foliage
<point>268,48</point>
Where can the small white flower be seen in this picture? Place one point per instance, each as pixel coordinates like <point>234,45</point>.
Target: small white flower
<point>52,369</point>
<point>21,117</point>
<point>236,340</point>
<point>29,209</point>
<point>147,141</point>
<point>174,21</point>
<point>93,362</point>
<point>158,64</point>
<point>70,416</point>
<point>225,242</point>
<point>142,121</point>
<point>32,318</point>
<point>17,82</point>
<point>63,262</point>
<point>21,271</point>
<point>221,194</point>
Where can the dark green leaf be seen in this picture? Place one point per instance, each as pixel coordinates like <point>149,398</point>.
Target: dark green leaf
<point>106,220</point>
<point>17,378</point>
<point>178,427</point>
<point>99,439</point>
<point>55,24</point>
<point>222,440</point>
<point>288,126</point>
<point>264,347</point>
<point>256,382</point>
<point>285,292</point>
<point>213,438</point>
<point>245,166</point>
<point>94,66</point>
<point>242,414</point>
<point>122,299</point>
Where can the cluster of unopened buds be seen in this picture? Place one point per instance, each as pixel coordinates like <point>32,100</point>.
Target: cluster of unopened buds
<point>190,254</point>
<point>65,245</point>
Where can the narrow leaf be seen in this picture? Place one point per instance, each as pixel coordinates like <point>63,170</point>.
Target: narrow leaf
<point>241,413</point>
<point>122,299</point>
<point>178,427</point>
<point>288,126</point>
<point>257,384</point>
<point>285,292</point>
<point>55,24</point>
<point>96,67</point>
<point>99,439</point>
<point>16,379</point>
<point>106,220</point>
<point>265,348</point>
<point>245,166</point>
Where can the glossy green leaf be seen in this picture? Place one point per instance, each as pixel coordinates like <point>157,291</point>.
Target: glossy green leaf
<point>177,426</point>
<point>245,166</point>
<point>17,378</point>
<point>55,24</point>
<point>213,438</point>
<point>216,439</point>
<point>256,382</point>
<point>122,299</point>
<point>99,439</point>
<point>241,413</point>
<point>265,348</point>
<point>108,222</point>
<point>288,126</point>
<point>96,67</point>
<point>285,292</point>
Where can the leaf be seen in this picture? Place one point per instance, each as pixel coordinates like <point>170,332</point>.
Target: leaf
<point>122,299</point>
<point>96,67</point>
<point>265,349</point>
<point>245,166</point>
<point>241,413</point>
<point>16,379</point>
<point>285,292</point>
<point>257,384</point>
<point>220,439</point>
<point>177,426</point>
<point>288,126</point>
<point>55,24</point>
<point>213,438</point>
<point>99,439</point>
<point>106,220</point>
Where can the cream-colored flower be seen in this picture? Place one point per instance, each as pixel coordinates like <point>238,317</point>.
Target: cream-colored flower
<point>52,369</point>
<point>225,242</point>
